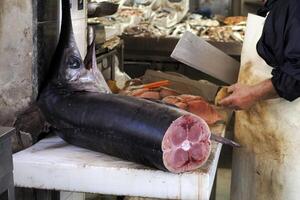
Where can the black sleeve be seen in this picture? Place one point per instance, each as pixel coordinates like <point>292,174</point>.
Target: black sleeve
<point>263,11</point>
<point>285,85</point>
<point>286,78</point>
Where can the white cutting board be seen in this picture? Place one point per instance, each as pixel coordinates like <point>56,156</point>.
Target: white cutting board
<point>53,164</point>
<point>199,54</point>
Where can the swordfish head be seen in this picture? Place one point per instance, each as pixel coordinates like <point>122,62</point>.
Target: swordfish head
<point>68,68</point>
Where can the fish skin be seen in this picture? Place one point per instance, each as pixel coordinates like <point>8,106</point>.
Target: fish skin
<point>67,66</point>
<point>121,126</point>
<point>118,125</point>
<point>67,55</point>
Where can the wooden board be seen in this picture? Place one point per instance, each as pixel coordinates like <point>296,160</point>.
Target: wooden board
<point>199,54</point>
<point>54,164</point>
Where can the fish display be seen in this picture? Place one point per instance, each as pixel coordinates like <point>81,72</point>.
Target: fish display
<point>158,92</point>
<point>196,105</point>
<point>229,30</point>
<point>81,109</point>
<point>171,21</point>
<point>191,103</point>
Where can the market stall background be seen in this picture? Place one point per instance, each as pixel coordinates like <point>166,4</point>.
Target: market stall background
<point>150,30</point>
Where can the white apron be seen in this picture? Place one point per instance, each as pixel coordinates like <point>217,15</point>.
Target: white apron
<point>268,165</point>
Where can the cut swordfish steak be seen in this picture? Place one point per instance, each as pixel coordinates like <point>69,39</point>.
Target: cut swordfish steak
<point>133,129</point>
<point>196,105</point>
<point>186,144</point>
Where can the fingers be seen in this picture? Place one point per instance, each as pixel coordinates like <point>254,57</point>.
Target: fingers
<point>230,102</point>
<point>227,101</point>
<point>232,88</point>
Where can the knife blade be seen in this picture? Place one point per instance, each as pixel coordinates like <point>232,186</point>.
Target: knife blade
<point>197,53</point>
<point>225,141</point>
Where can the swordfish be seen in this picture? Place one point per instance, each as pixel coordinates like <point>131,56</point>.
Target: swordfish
<point>77,103</point>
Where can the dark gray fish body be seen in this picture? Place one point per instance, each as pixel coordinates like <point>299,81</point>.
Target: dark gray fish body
<point>77,104</point>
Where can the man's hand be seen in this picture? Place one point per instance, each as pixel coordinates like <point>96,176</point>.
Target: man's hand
<point>242,97</point>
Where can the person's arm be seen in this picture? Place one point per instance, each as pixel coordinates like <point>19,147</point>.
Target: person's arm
<point>286,75</point>
<point>243,97</point>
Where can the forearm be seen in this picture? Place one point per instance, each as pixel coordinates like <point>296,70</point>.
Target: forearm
<point>265,90</point>
<point>242,97</point>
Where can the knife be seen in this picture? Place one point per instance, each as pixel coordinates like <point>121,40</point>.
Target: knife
<point>199,54</point>
<point>225,141</point>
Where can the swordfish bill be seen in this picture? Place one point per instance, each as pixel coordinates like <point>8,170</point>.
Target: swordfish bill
<point>82,111</point>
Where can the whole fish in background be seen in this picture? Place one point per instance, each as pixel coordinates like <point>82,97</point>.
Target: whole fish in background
<point>80,109</point>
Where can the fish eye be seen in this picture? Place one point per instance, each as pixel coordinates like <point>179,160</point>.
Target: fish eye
<point>73,62</point>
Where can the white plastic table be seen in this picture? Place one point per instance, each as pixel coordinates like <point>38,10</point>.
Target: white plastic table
<point>54,164</point>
